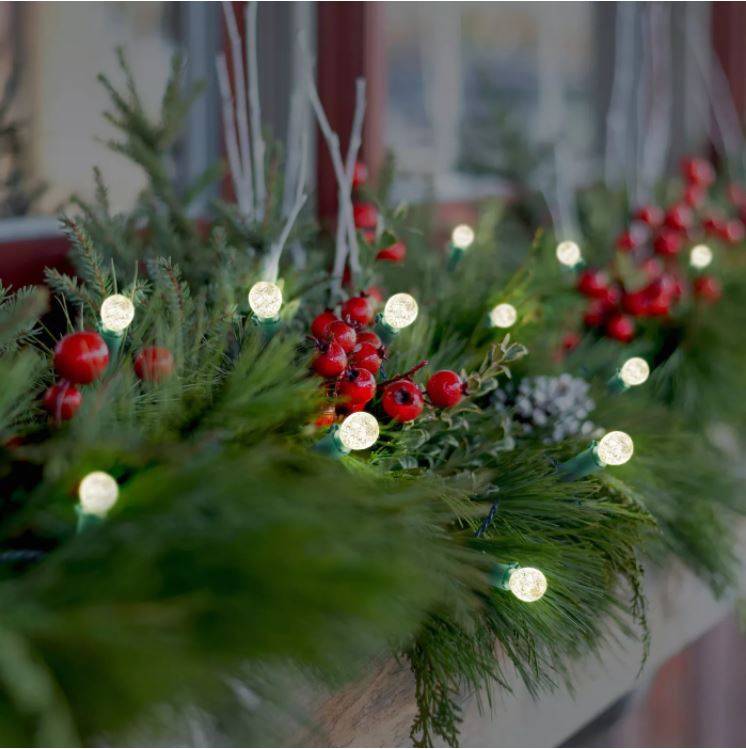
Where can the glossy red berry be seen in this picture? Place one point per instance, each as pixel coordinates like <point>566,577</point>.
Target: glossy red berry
<point>707,288</point>
<point>652,267</point>
<point>326,417</point>
<point>321,323</point>
<point>679,217</point>
<point>368,336</point>
<point>445,389</point>
<point>366,356</point>
<point>81,357</point>
<point>668,243</point>
<point>593,282</point>
<point>356,386</point>
<point>698,171</point>
<point>402,400</point>
<point>365,215</point>
<point>650,215</point>
<point>331,361</point>
<point>570,341</point>
<point>394,253</point>
<point>358,311</point>
<point>620,328</point>
<point>376,294</point>
<point>659,305</point>
<point>595,313</point>
<point>611,296</point>
<point>62,400</point>
<point>694,195</point>
<point>359,175</point>
<point>635,303</point>
<point>627,241</point>
<point>713,225</point>
<point>733,231</point>
<point>154,363</point>
<point>341,333</point>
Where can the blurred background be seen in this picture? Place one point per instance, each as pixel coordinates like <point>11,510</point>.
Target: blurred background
<point>474,101</point>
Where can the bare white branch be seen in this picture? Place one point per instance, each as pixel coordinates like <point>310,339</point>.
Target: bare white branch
<point>256,110</point>
<point>356,137</point>
<point>240,87</point>
<point>231,141</point>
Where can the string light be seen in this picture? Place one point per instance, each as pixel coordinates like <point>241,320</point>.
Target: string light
<point>117,312</point>
<point>613,449</point>
<point>503,316</point>
<point>399,312</point>
<point>358,431</point>
<point>569,254</point>
<point>700,256</point>
<point>98,493</point>
<point>635,371</point>
<point>265,300</point>
<point>462,236</point>
<point>527,584</point>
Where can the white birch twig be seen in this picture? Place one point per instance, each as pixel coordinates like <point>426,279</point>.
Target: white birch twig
<point>356,138</point>
<point>231,141</point>
<point>256,111</point>
<point>240,88</point>
<point>273,261</point>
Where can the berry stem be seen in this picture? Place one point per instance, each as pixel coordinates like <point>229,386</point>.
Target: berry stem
<point>407,374</point>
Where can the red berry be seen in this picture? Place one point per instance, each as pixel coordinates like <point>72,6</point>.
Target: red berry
<point>62,400</point>
<point>627,241</point>
<point>570,341</point>
<point>694,195</point>
<point>394,253</point>
<point>698,171</point>
<point>359,175</point>
<point>321,323</point>
<point>358,310</point>
<point>402,400</point>
<point>593,282</point>
<point>326,417</point>
<point>369,235</point>
<point>366,356</point>
<point>375,293</point>
<point>331,360</point>
<point>652,267</point>
<point>733,231</point>
<point>595,313</point>
<point>357,385</point>
<point>154,363</point>
<point>341,333</point>
<point>635,303</point>
<point>668,243</point>
<point>81,357</point>
<point>679,217</point>
<point>659,305</point>
<point>368,336</point>
<point>365,215</point>
<point>611,296</point>
<point>445,389</point>
<point>621,328</point>
<point>650,215</point>
<point>707,288</point>
<point>713,224</point>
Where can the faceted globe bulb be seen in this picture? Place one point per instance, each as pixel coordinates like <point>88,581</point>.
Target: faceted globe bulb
<point>700,256</point>
<point>400,311</point>
<point>634,371</point>
<point>265,300</point>
<point>98,492</point>
<point>527,584</point>
<point>462,236</point>
<point>117,312</point>
<point>615,448</point>
<point>568,253</point>
<point>358,431</point>
<point>503,316</point>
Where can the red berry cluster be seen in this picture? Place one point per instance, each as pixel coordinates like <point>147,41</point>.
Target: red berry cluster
<point>80,358</point>
<point>349,357</point>
<point>365,215</point>
<point>654,240</point>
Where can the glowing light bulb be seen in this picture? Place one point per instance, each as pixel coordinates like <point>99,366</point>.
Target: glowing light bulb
<point>117,312</point>
<point>98,492</point>
<point>265,300</point>
<point>615,448</point>
<point>634,371</point>
<point>527,584</point>
<point>568,253</point>
<point>462,236</point>
<point>400,311</point>
<point>503,316</point>
<point>358,431</point>
<point>700,256</point>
